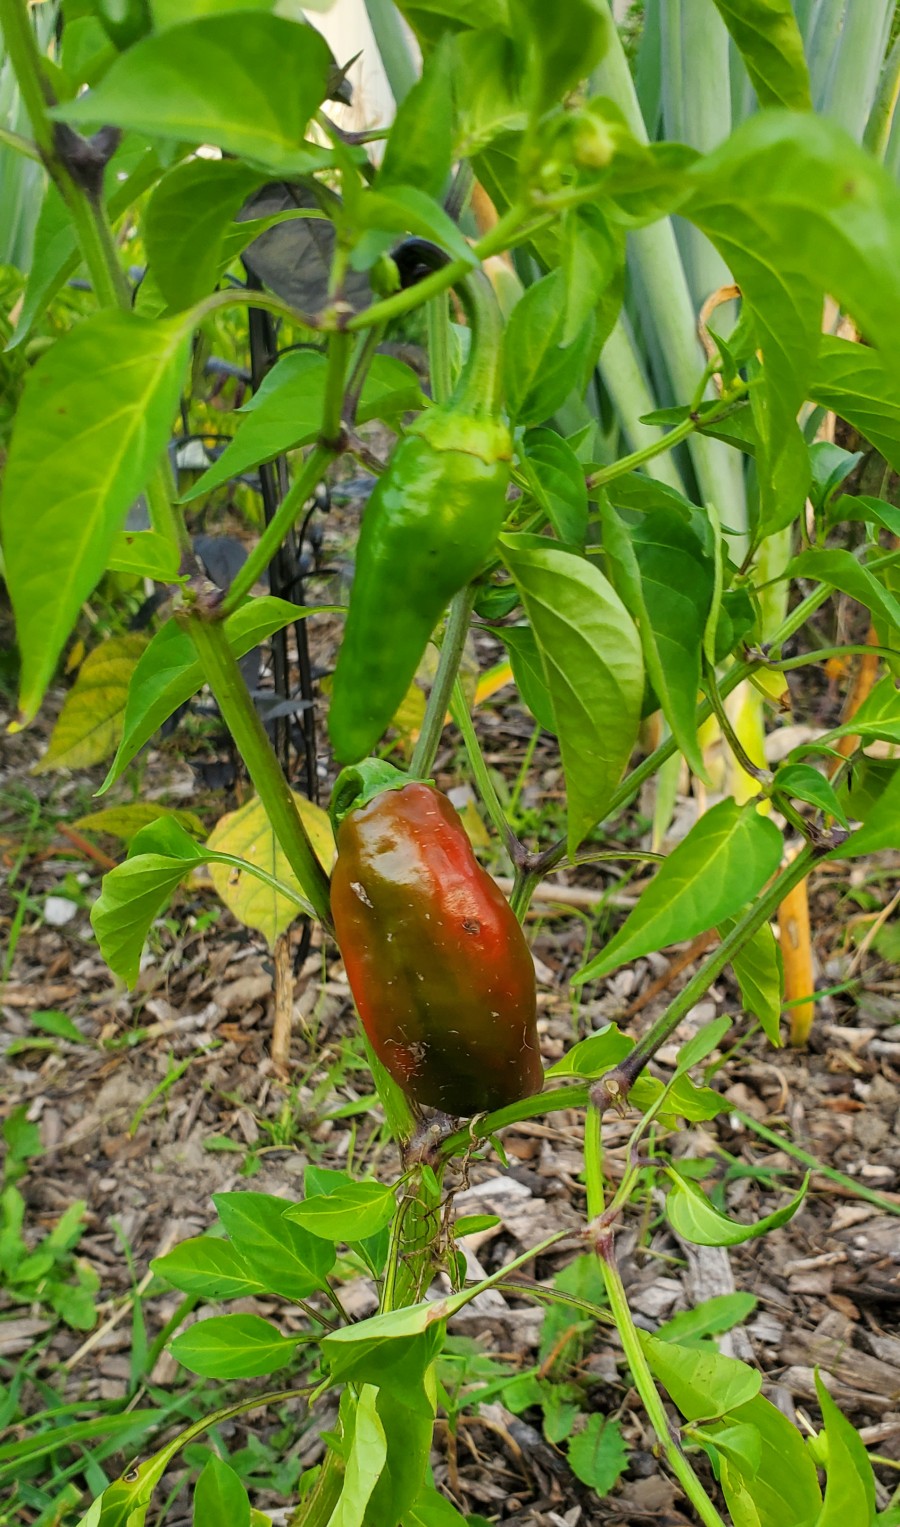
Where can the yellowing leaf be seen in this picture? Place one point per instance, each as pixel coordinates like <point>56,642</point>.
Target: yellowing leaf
<point>124,821</point>
<point>246,833</point>
<point>490,682</point>
<point>75,657</point>
<point>409,715</point>
<point>90,723</point>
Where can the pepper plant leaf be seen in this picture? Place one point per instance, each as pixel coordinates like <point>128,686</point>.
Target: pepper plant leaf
<point>248,82</point>
<point>593,668</point>
<point>94,418</point>
<point>726,858</point>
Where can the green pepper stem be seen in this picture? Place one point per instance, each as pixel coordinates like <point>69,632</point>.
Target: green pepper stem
<point>452,647</point>
<point>222,674</point>
<point>479,388</point>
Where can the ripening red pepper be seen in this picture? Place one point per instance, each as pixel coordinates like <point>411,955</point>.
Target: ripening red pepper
<point>437,963</point>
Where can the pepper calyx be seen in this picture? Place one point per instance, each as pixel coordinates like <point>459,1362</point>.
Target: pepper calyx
<point>359,784</point>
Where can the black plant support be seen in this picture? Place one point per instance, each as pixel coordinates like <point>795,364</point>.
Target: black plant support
<point>285,575</point>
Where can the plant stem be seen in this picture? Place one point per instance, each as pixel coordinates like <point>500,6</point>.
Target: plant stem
<point>287,512</point>
<point>438,316</point>
<point>339,344</point>
<point>646,1387</point>
<point>21,46</point>
<point>675,435</point>
<point>784,665</point>
<point>762,776</point>
<point>460,712</point>
<point>455,634</point>
<point>509,227</point>
<point>416,1227</point>
<point>222,674</point>
<point>617,1083</point>
<point>576,1096</point>
<point>593,1161</point>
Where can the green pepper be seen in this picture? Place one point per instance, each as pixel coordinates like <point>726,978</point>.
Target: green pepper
<point>437,963</point>
<point>429,527</point>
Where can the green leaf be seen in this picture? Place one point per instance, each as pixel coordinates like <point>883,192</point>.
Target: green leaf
<point>405,209</point>
<point>860,385</point>
<point>564,52</point>
<point>593,264</point>
<point>185,224</point>
<point>683,1100</point>
<point>873,511</point>
<point>89,725</point>
<point>144,554</point>
<point>352,1212</point>
<point>694,1218</point>
<point>394,1351</point>
<point>430,1509</point>
<point>760,975</point>
<point>286,412</point>
<point>804,783</point>
<point>133,896</point>
<point>598,1455</point>
<point>710,1318</point>
<point>676,580</point>
<point>471,1224</point>
<point>594,1055</point>
<point>726,858</point>
<point>365,1461</point>
<point>700,1381</point>
<point>783,1486</point>
<point>209,1267</point>
<point>59,1024</point>
<point>94,418</point>
<point>556,478</point>
<point>220,1499</point>
<point>528,672</point>
<point>797,209</point>
<point>770,43</point>
<point>538,372</point>
<point>286,1259</point>
<point>487,71</point>
<point>849,1480</point>
<point>842,571</point>
<point>233,1347</point>
<point>54,249</point>
<point>248,82</point>
<point>878,716</point>
<point>169,672</point>
<point>419,149</point>
<point>593,669</point>
<point>880,821</point>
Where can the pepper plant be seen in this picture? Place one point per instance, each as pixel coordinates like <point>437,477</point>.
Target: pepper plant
<point>630,563</point>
